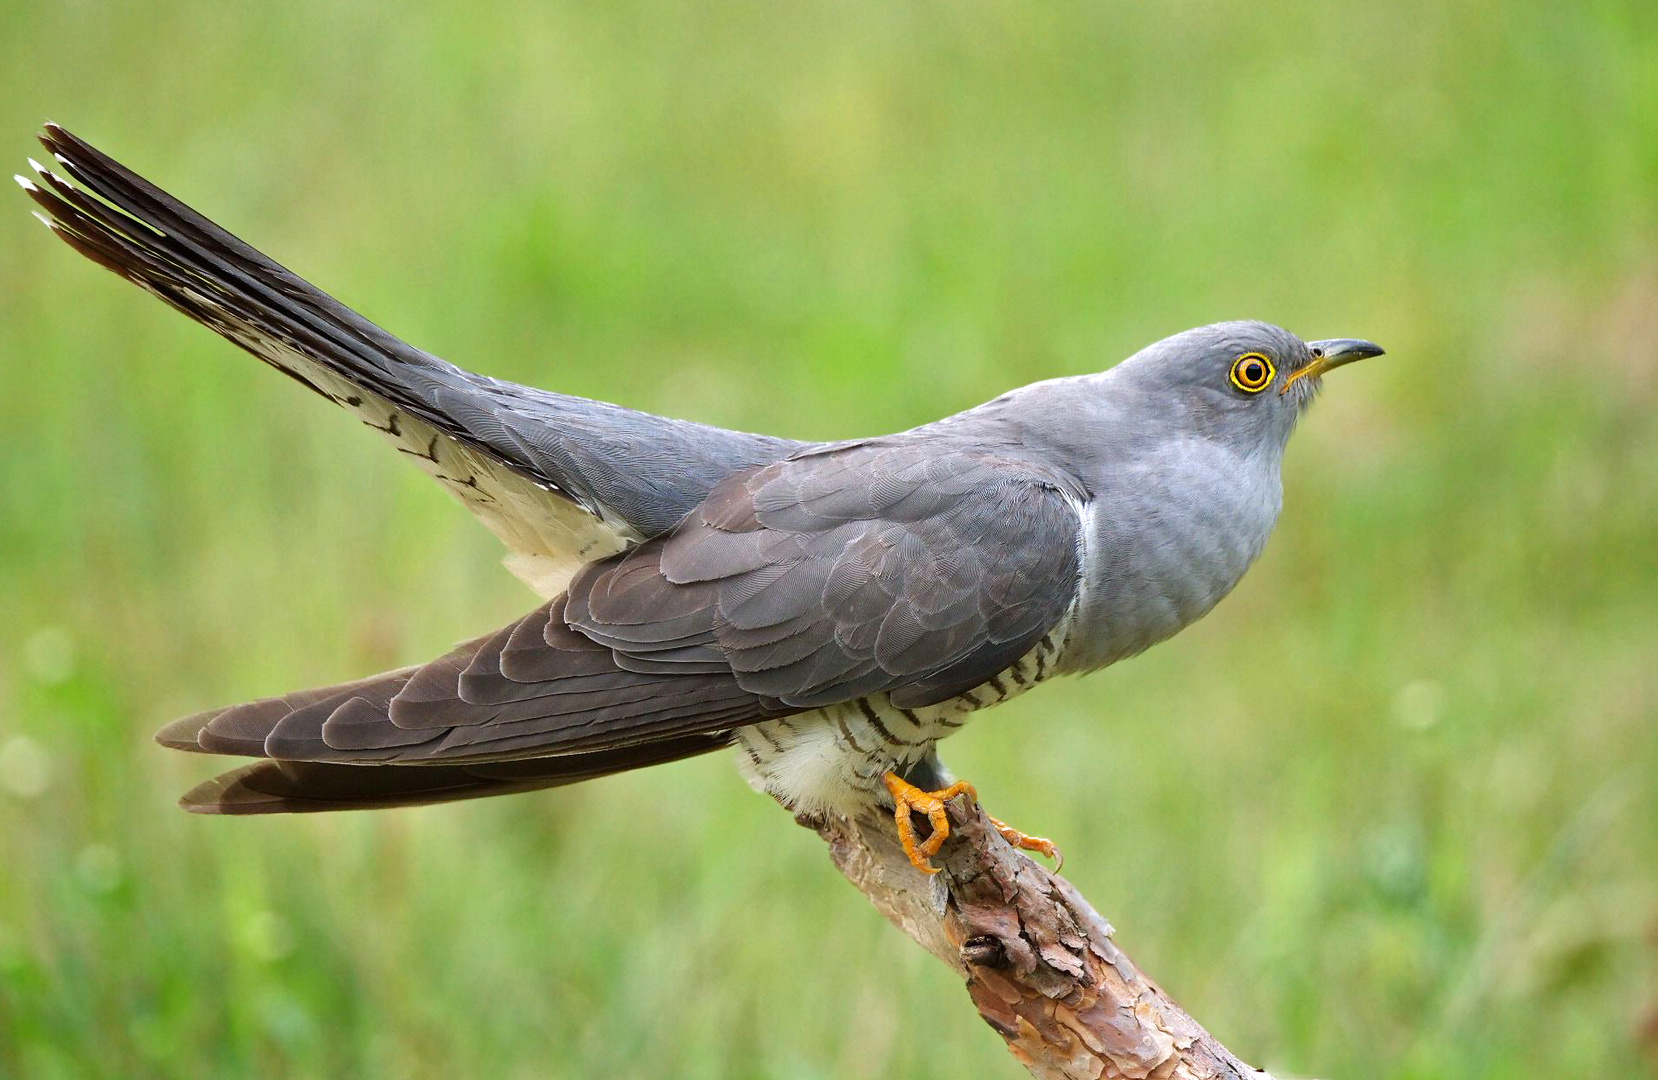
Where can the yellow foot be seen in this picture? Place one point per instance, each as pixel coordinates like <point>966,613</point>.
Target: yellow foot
<point>1030,843</point>
<point>907,799</point>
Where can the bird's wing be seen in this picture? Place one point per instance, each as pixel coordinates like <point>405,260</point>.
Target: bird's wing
<point>293,787</point>
<point>534,688</point>
<point>900,565</point>
<point>561,480</point>
<point>900,568</point>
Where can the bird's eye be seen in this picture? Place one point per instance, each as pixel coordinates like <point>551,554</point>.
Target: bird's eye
<point>1252,372</point>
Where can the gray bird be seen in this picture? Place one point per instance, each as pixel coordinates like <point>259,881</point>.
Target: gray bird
<point>832,610</point>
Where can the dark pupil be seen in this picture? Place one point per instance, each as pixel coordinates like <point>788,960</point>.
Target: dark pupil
<point>1253,372</point>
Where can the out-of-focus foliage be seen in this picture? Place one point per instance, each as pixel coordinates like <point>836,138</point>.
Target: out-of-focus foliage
<point>1389,812</point>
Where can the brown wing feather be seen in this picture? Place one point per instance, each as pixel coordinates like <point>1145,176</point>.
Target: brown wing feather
<point>293,787</point>
<point>910,570</point>
<point>464,707</point>
<point>908,566</point>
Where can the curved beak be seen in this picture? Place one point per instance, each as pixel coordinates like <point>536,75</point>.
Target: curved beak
<point>1333,353</point>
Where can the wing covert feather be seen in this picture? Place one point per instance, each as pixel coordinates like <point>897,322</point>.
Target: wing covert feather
<point>893,565</point>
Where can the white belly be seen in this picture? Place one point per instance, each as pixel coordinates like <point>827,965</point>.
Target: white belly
<point>833,758</point>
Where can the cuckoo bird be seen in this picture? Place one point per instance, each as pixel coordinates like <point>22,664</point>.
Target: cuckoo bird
<point>831,610</point>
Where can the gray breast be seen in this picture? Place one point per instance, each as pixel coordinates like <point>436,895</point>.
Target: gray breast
<point>1166,536</point>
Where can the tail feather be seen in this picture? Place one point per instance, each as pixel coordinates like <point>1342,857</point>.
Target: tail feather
<point>179,252</point>
<point>127,225</point>
<point>562,480</point>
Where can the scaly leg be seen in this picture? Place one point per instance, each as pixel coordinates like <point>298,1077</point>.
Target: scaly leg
<point>1030,843</point>
<point>908,800</point>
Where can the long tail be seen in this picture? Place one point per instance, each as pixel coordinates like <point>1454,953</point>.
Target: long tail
<point>544,471</point>
<point>145,235</point>
<point>458,427</point>
<point>561,478</point>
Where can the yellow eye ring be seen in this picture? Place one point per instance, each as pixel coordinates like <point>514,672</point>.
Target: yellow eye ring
<point>1252,372</point>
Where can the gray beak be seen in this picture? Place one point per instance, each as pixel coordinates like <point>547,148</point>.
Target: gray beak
<point>1333,353</point>
<point>1343,350</point>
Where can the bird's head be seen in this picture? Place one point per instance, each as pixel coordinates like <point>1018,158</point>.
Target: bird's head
<point>1242,381</point>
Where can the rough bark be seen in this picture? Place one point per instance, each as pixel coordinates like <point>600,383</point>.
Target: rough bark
<point>1039,962</point>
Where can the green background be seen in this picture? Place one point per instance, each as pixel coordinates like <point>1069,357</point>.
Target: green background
<point>1391,811</point>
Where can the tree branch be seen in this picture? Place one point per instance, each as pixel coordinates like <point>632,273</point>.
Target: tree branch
<point>1039,962</point>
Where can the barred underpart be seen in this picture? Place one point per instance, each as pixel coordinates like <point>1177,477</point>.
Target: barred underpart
<point>834,758</point>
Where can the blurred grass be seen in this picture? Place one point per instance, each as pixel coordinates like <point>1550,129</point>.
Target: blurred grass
<point>1389,812</point>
